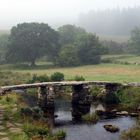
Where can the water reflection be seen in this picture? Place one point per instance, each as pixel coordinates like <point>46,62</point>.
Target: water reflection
<point>80,131</point>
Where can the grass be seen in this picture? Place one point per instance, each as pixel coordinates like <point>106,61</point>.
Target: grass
<point>125,58</point>
<point>122,68</point>
<point>102,72</point>
<point>90,118</point>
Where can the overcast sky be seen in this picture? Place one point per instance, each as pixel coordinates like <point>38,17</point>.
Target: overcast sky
<point>53,11</point>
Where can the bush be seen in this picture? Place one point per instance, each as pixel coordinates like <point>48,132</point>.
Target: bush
<point>111,99</point>
<point>60,134</point>
<point>57,76</point>
<point>41,78</point>
<point>33,130</point>
<point>90,118</point>
<point>131,134</point>
<point>95,91</point>
<point>79,78</point>
<point>130,97</point>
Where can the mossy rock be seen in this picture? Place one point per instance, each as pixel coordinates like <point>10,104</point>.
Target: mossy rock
<point>111,128</point>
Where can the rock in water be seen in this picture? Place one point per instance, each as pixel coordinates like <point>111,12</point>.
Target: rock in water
<point>111,128</point>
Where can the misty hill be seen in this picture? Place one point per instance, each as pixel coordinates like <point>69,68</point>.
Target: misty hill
<point>111,22</point>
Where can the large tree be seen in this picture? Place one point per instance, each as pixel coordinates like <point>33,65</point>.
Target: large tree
<point>135,41</point>
<point>69,33</point>
<point>68,56</point>
<point>3,47</point>
<point>29,41</point>
<point>89,49</point>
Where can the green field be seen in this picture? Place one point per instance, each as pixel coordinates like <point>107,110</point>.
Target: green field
<point>102,72</point>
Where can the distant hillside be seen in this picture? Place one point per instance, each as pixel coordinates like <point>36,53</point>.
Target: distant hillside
<point>111,22</point>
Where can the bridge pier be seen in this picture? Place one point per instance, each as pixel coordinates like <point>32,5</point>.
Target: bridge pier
<point>112,88</point>
<point>45,98</point>
<point>81,101</point>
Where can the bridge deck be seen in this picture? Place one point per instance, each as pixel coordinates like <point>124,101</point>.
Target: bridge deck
<point>63,83</point>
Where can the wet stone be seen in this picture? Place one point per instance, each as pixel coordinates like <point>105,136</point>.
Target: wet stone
<point>5,138</point>
<point>1,122</point>
<point>18,124</point>
<point>8,125</point>
<point>3,134</point>
<point>15,130</point>
<point>2,127</point>
<point>14,109</point>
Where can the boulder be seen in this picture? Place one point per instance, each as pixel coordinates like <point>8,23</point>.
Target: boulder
<point>138,109</point>
<point>100,112</point>
<point>134,114</point>
<point>122,113</point>
<point>111,128</point>
<point>9,125</point>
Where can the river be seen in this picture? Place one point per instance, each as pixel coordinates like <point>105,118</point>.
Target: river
<point>80,131</point>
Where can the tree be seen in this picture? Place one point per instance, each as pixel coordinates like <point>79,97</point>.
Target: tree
<point>29,41</point>
<point>69,33</point>
<point>89,49</point>
<point>68,56</point>
<point>3,47</point>
<point>135,41</point>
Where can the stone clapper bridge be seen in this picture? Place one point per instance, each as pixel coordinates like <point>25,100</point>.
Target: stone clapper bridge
<point>80,93</point>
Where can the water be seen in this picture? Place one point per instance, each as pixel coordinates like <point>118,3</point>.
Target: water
<point>79,131</point>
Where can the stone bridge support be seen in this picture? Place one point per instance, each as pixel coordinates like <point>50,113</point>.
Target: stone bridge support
<point>46,97</point>
<point>81,101</point>
<point>112,88</point>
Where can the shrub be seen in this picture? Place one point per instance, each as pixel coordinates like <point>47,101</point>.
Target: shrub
<point>79,78</point>
<point>33,130</point>
<point>60,134</point>
<point>131,134</point>
<point>95,91</point>
<point>41,78</point>
<point>111,99</point>
<point>57,76</point>
<point>130,97</point>
<point>90,118</point>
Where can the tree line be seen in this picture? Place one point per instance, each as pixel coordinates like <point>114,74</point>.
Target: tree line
<point>69,45</point>
<point>111,21</point>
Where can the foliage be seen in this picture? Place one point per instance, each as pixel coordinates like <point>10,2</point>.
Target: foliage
<point>129,97</point>
<point>21,136</point>
<point>11,78</point>
<point>111,98</point>
<point>60,134</point>
<point>135,41</point>
<point>131,134</point>
<point>89,49</point>
<point>29,41</point>
<point>68,56</point>
<point>57,76</point>
<point>3,47</point>
<point>115,47</point>
<point>95,91</point>
<point>78,47</point>
<point>35,112</point>
<point>33,130</point>
<point>69,33</point>
<point>79,78</point>
<point>90,118</point>
<point>8,99</point>
<point>40,78</point>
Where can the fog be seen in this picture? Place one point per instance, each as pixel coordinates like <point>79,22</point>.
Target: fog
<point>55,12</point>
